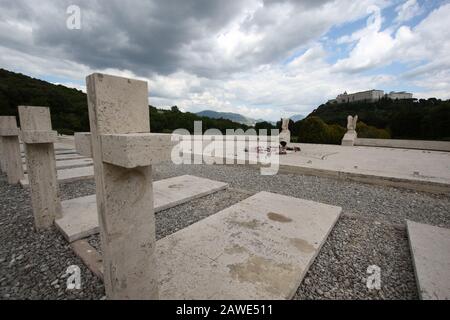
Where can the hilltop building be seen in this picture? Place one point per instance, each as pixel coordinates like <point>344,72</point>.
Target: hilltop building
<point>370,96</point>
<point>399,95</point>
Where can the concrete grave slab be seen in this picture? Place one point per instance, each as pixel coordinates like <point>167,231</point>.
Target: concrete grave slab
<point>430,250</point>
<point>80,214</point>
<point>59,157</point>
<point>68,164</point>
<point>68,175</point>
<point>259,248</point>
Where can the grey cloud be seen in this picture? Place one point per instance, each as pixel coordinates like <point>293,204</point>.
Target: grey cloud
<point>157,37</point>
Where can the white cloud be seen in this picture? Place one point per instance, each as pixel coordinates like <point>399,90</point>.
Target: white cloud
<point>234,58</point>
<point>408,10</point>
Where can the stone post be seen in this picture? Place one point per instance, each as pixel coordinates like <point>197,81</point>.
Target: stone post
<point>9,134</point>
<point>2,157</point>
<point>123,151</point>
<point>38,139</point>
<point>285,134</point>
<point>351,135</point>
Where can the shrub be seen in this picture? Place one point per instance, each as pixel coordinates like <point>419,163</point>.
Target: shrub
<point>366,131</point>
<point>315,130</point>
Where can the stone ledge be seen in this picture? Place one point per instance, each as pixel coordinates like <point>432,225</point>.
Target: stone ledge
<point>83,143</point>
<point>8,132</point>
<point>136,149</point>
<point>31,137</point>
<point>431,258</point>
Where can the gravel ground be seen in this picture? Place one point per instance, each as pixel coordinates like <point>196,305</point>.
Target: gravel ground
<point>371,231</point>
<point>33,265</point>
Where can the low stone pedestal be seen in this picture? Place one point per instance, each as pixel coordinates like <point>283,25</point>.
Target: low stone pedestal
<point>349,138</point>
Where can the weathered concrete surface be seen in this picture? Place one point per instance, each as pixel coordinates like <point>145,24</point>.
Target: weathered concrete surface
<point>405,144</point>
<point>65,141</point>
<point>62,157</point>
<point>136,149</point>
<point>420,170</point>
<point>90,257</point>
<point>43,185</point>
<point>260,248</point>
<point>80,217</point>
<point>2,156</point>
<point>67,175</point>
<point>38,138</point>
<point>83,143</point>
<point>68,164</point>
<point>430,250</point>
<point>11,149</point>
<point>29,136</point>
<point>14,169</point>
<point>349,138</point>
<point>413,169</point>
<point>124,195</point>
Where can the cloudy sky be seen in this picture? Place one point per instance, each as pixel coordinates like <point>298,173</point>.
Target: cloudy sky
<point>261,58</point>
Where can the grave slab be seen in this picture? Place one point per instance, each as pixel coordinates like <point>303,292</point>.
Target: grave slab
<point>430,250</point>
<point>259,248</point>
<point>68,164</point>
<point>80,217</point>
<point>68,175</point>
<point>64,157</point>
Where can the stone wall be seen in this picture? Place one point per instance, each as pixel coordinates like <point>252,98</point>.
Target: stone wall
<point>406,144</point>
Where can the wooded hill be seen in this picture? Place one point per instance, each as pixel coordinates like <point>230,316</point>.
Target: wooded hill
<point>403,119</point>
<point>69,111</point>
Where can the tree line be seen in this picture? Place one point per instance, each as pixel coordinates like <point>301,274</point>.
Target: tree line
<point>403,119</point>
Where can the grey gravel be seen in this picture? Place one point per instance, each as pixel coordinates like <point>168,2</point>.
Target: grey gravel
<point>31,261</point>
<point>371,231</point>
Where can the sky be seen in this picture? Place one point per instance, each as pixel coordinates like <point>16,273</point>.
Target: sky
<point>264,59</point>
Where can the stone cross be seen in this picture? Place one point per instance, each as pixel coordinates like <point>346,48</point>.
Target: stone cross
<point>38,138</point>
<point>351,122</point>
<point>124,151</point>
<point>12,159</point>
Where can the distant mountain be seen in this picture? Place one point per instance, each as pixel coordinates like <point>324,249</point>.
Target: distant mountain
<point>274,123</point>
<point>235,117</point>
<point>297,117</point>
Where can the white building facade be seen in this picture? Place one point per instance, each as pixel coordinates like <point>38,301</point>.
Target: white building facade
<point>370,96</point>
<point>399,95</point>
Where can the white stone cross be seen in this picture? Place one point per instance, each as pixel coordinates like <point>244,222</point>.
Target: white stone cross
<point>124,151</point>
<point>38,138</point>
<point>11,157</point>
